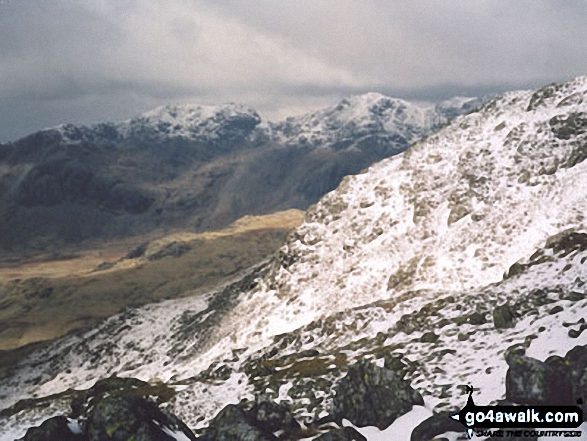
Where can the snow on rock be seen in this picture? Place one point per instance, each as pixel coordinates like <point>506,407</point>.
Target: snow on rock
<point>454,212</point>
<point>370,114</point>
<point>195,122</point>
<point>190,122</point>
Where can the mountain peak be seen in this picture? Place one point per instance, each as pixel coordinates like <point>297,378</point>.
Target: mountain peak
<point>194,121</point>
<point>370,115</point>
<point>193,113</point>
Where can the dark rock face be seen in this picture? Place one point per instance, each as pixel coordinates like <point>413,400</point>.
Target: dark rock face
<point>576,367</point>
<point>271,417</point>
<point>53,429</point>
<point>503,317</point>
<point>233,424</point>
<point>437,424</point>
<point>132,418</point>
<point>556,381</point>
<point>372,396</point>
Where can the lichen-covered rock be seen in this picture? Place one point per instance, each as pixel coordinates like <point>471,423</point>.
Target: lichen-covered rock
<point>503,317</point>
<point>53,429</point>
<point>124,418</point>
<point>233,424</point>
<point>372,396</point>
<point>533,382</point>
<point>271,417</point>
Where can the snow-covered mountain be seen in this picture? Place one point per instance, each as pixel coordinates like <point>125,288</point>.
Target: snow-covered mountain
<point>188,122</point>
<point>200,167</point>
<point>372,115</point>
<point>459,261</point>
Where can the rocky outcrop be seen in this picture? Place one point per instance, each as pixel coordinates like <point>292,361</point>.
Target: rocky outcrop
<point>125,418</point>
<point>233,424</point>
<point>272,417</point>
<point>53,429</point>
<point>114,409</point>
<point>556,381</point>
<point>372,396</point>
<point>437,424</point>
<point>114,418</point>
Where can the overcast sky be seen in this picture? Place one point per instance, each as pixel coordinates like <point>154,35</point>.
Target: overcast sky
<point>94,60</point>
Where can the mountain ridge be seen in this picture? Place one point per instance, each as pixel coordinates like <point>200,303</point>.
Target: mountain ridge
<point>194,167</point>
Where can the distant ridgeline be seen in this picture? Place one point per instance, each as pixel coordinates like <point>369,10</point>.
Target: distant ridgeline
<point>193,167</point>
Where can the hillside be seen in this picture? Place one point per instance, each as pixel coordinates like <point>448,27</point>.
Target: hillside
<point>460,261</point>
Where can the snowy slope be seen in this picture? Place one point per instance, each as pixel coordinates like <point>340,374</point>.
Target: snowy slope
<point>349,122</point>
<point>486,212</point>
<point>363,116</point>
<point>191,122</point>
<point>454,212</point>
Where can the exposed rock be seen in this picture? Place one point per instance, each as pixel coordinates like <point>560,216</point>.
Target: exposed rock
<point>429,337</point>
<point>134,418</point>
<point>477,318</point>
<point>437,424</point>
<point>53,429</point>
<point>576,364</point>
<point>232,424</point>
<point>503,317</point>
<point>271,417</point>
<point>533,382</point>
<point>172,249</point>
<point>372,396</point>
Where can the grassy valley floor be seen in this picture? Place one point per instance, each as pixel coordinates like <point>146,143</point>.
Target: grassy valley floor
<point>42,299</point>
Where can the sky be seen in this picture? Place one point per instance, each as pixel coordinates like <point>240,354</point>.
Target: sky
<point>85,61</point>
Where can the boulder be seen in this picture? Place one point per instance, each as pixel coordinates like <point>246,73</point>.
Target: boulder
<point>53,429</point>
<point>233,424</point>
<point>123,418</point>
<point>533,382</point>
<point>437,424</point>
<point>270,417</point>
<point>373,396</point>
<point>503,317</point>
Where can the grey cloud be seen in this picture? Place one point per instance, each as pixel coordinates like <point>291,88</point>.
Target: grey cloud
<point>88,60</point>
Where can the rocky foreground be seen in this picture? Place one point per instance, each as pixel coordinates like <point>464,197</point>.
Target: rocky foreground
<point>368,395</point>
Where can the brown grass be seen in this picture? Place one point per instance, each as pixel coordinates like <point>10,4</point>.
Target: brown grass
<point>44,299</point>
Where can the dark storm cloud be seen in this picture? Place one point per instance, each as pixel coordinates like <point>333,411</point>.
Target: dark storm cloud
<point>84,60</point>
